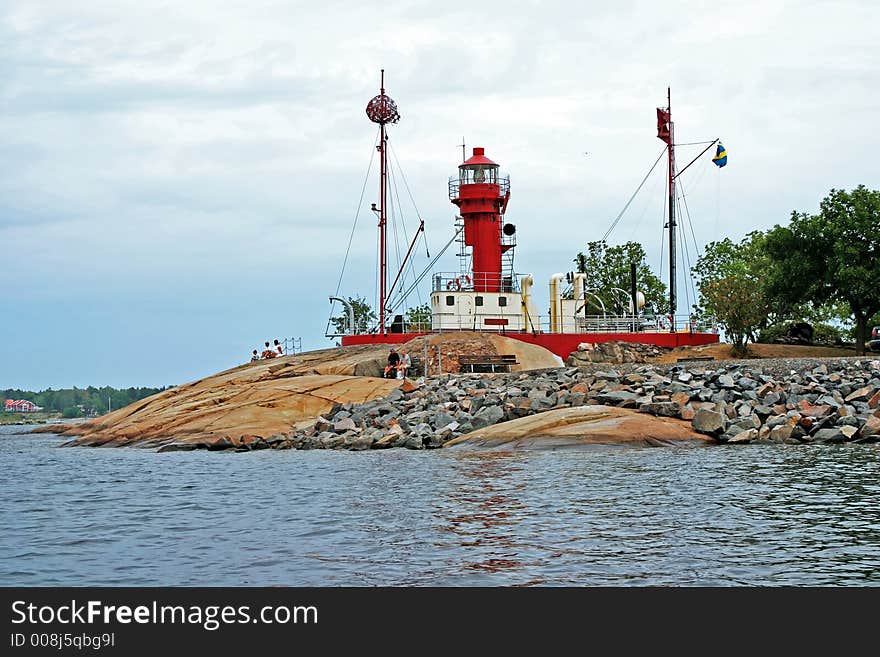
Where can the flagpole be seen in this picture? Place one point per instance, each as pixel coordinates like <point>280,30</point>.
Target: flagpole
<point>697,157</point>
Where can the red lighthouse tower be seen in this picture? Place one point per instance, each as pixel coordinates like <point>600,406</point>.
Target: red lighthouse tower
<point>482,195</point>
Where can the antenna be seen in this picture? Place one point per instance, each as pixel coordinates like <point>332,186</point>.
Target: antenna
<point>463,150</point>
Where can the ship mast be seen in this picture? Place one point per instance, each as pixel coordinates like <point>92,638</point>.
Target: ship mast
<point>672,226</point>
<point>666,132</point>
<point>383,110</point>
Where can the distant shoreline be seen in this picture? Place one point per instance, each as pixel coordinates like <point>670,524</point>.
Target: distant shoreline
<point>36,421</point>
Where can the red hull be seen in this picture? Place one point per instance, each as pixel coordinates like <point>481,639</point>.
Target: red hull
<point>561,344</point>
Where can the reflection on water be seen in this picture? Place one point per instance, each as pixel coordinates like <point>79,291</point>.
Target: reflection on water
<point>765,515</point>
<point>482,509</point>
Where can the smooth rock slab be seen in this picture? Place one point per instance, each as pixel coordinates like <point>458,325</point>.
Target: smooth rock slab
<point>582,428</point>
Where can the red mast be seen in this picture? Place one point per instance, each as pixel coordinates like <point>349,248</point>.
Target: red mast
<point>382,110</point>
<point>666,132</point>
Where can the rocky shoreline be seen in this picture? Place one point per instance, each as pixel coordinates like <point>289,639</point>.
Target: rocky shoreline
<point>789,401</point>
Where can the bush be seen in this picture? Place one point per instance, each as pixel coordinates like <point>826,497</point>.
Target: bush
<point>827,334</point>
<point>769,334</point>
<point>70,412</point>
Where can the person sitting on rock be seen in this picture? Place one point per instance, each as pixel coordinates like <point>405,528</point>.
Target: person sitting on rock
<point>405,364</point>
<point>255,357</point>
<point>268,352</point>
<point>393,362</point>
<point>279,349</point>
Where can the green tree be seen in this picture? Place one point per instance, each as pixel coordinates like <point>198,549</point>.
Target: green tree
<point>608,267</point>
<point>833,256</point>
<point>419,318</point>
<point>730,279</point>
<point>91,398</point>
<point>364,317</point>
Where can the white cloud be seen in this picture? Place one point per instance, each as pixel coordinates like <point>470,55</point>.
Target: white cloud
<point>226,141</point>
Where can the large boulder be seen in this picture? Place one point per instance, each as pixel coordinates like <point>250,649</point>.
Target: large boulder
<point>613,351</point>
<point>232,405</point>
<point>582,427</point>
<point>452,345</point>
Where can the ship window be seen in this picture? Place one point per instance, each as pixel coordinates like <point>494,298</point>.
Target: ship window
<point>502,301</point>
<point>478,301</point>
<point>450,300</point>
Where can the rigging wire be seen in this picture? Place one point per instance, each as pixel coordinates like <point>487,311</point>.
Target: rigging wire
<point>690,222</point>
<point>411,261</point>
<point>686,259</point>
<point>412,200</point>
<point>717,202</point>
<point>377,277</point>
<point>395,210</point>
<point>356,216</point>
<point>357,213</point>
<point>664,224</point>
<point>697,143</point>
<point>400,264</point>
<point>430,264</point>
<point>641,184</point>
<point>645,206</point>
<point>701,172</point>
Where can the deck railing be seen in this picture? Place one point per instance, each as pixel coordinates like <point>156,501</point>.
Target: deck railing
<point>457,282</point>
<point>455,183</point>
<point>452,322</point>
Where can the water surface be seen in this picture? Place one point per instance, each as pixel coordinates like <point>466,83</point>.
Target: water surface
<point>762,515</point>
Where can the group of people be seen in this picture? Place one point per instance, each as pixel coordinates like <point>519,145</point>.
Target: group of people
<point>398,364</point>
<point>271,351</point>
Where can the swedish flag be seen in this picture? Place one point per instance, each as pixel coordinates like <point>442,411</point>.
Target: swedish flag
<point>720,155</point>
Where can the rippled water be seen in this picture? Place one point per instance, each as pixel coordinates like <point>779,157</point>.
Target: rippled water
<point>762,515</point>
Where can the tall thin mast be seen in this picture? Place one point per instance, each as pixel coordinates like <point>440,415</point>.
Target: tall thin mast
<point>672,225</point>
<point>382,110</point>
<point>383,215</point>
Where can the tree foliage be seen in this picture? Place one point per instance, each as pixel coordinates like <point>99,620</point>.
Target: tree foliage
<point>364,317</point>
<point>76,402</point>
<point>833,256</point>
<point>730,281</point>
<point>819,267</point>
<point>418,318</point>
<point>608,267</point>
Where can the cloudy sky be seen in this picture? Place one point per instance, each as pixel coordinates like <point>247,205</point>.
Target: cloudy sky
<point>179,180</point>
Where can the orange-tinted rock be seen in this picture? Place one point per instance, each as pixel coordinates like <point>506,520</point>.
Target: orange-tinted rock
<point>408,386</point>
<point>872,426</point>
<point>681,398</point>
<point>806,408</point>
<point>806,423</point>
<point>862,394</point>
<point>239,404</point>
<point>453,345</point>
<point>580,427</point>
